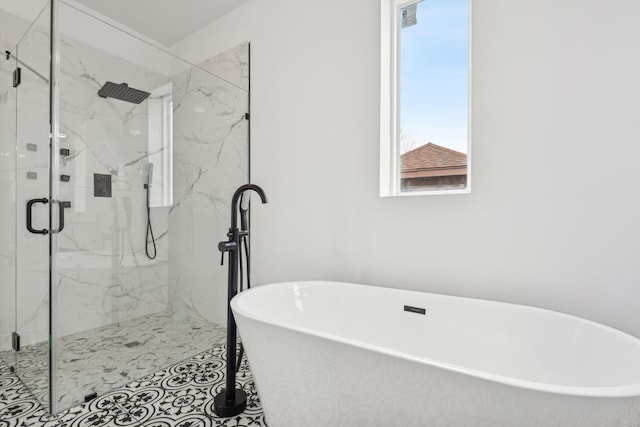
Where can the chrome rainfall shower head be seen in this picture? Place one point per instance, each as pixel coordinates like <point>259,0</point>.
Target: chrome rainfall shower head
<point>122,92</point>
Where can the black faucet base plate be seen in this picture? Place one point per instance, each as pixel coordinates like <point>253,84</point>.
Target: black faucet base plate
<point>224,408</point>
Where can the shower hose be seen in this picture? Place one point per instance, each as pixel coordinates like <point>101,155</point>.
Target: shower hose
<point>246,255</point>
<point>150,231</point>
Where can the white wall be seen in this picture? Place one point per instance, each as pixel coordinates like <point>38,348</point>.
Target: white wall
<point>221,35</point>
<point>554,217</point>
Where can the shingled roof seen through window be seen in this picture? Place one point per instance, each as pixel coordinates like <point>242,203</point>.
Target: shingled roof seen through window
<point>432,156</point>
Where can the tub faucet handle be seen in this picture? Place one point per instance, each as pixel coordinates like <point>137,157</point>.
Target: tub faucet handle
<point>227,246</point>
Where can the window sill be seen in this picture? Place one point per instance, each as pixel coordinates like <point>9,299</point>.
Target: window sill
<point>427,193</point>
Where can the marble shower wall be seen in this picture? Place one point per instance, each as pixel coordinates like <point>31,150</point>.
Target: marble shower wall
<point>103,272</point>
<point>211,160</point>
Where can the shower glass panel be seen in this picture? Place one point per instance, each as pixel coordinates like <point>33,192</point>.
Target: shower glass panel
<point>7,209</point>
<point>136,281</point>
<point>24,176</point>
<point>32,179</point>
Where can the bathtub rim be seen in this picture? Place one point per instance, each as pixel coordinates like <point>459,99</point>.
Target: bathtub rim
<point>622,391</point>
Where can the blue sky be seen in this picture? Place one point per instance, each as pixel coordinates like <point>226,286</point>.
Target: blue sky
<point>433,77</point>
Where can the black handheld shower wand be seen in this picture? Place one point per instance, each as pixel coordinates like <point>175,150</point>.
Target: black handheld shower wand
<point>244,208</point>
<point>231,401</point>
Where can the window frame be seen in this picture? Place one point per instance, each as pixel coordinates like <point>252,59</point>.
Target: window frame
<point>390,101</point>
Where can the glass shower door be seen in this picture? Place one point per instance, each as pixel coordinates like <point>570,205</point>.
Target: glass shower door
<point>152,142</point>
<point>110,277</point>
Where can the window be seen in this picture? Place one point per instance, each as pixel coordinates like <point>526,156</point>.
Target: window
<point>160,112</point>
<point>424,98</point>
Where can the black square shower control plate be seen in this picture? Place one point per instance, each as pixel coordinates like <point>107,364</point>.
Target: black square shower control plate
<point>101,185</point>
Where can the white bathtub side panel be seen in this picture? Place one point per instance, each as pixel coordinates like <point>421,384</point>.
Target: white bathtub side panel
<point>503,342</point>
<point>309,381</point>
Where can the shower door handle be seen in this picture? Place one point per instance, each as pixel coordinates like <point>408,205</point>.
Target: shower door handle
<point>44,201</point>
<point>61,217</point>
<point>30,204</point>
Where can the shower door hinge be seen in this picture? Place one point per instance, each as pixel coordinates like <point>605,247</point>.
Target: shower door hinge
<point>17,77</point>
<point>15,341</point>
<point>246,116</point>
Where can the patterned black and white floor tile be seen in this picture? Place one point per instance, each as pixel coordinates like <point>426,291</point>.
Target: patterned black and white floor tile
<point>102,359</point>
<point>179,396</point>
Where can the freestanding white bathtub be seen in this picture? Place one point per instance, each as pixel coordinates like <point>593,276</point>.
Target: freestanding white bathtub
<point>339,354</point>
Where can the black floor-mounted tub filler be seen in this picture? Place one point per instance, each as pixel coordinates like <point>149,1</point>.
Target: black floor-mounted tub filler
<point>232,401</point>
